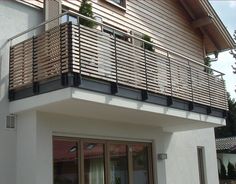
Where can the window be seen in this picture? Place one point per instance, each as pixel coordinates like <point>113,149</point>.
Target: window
<point>88,161</point>
<point>117,34</point>
<point>201,166</point>
<point>69,18</point>
<point>120,3</point>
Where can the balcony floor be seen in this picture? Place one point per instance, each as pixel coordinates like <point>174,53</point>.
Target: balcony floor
<point>93,99</point>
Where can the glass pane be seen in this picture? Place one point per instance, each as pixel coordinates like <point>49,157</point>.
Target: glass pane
<point>118,164</point>
<point>201,169</point>
<point>93,163</point>
<point>118,2</point>
<point>65,162</point>
<point>69,18</point>
<point>140,163</point>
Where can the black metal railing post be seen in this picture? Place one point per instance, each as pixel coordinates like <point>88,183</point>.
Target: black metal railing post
<point>114,85</point>
<point>34,64</point>
<point>11,93</point>
<point>191,107</point>
<point>225,114</point>
<point>65,76</point>
<point>80,60</point>
<point>78,76</point>
<point>145,92</point>
<point>170,98</point>
<point>209,110</point>
<point>61,58</point>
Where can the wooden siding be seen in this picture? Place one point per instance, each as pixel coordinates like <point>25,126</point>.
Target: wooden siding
<point>165,21</point>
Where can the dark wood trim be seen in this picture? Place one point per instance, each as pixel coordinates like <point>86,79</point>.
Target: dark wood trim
<point>106,143</point>
<point>81,160</point>
<point>150,162</point>
<point>78,151</point>
<point>130,163</point>
<point>107,163</point>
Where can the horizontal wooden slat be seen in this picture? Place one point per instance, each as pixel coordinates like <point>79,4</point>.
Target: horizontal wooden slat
<point>99,55</point>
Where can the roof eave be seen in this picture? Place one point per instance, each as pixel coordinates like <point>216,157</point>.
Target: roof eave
<point>219,25</point>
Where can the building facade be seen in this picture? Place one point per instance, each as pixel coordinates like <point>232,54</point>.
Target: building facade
<point>126,100</point>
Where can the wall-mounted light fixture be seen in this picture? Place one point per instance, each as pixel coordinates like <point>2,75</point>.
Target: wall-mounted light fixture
<point>162,156</point>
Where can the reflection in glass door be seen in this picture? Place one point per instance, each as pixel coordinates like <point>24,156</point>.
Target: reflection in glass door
<point>88,161</point>
<point>140,164</point>
<point>118,164</point>
<point>93,163</point>
<point>65,162</point>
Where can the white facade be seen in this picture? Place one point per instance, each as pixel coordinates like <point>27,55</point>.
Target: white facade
<point>26,152</point>
<point>15,18</point>
<point>36,128</point>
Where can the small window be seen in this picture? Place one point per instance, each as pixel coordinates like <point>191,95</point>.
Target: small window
<point>201,165</point>
<point>119,35</point>
<point>68,17</point>
<point>119,3</point>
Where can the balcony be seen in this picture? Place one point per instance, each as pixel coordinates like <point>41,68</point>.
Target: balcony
<point>72,55</point>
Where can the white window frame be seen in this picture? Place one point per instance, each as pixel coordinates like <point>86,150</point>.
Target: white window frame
<point>123,7</point>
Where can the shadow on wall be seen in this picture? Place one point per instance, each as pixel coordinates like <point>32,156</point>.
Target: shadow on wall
<point>4,76</point>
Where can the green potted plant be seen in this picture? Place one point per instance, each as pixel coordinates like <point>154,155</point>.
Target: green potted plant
<point>86,10</point>
<point>207,62</point>
<point>148,46</point>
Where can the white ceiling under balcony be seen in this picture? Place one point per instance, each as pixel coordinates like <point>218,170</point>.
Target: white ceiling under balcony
<point>93,105</point>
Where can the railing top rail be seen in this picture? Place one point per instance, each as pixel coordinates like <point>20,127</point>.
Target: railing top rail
<point>114,29</point>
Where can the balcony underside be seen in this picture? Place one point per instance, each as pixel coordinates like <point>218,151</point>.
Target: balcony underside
<point>77,56</point>
<point>88,104</point>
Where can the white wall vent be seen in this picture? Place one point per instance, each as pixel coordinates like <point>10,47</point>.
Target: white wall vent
<point>11,121</point>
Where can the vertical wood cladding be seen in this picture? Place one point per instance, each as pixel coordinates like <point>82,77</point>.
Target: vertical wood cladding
<point>165,21</point>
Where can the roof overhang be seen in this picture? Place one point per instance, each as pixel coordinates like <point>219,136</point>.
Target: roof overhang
<point>204,17</point>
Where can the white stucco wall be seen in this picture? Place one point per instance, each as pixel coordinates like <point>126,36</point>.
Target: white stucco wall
<point>182,160</point>
<point>14,18</point>
<point>181,167</point>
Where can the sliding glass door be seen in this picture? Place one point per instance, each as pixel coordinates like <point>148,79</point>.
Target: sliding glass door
<point>118,164</point>
<point>65,161</point>
<point>87,161</point>
<point>94,172</point>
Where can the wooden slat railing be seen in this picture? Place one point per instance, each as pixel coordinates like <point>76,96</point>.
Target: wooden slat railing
<point>92,53</point>
<point>39,59</point>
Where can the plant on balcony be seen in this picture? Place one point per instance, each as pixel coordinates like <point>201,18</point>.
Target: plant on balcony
<point>207,62</point>
<point>86,10</point>
<point>148,46</point>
